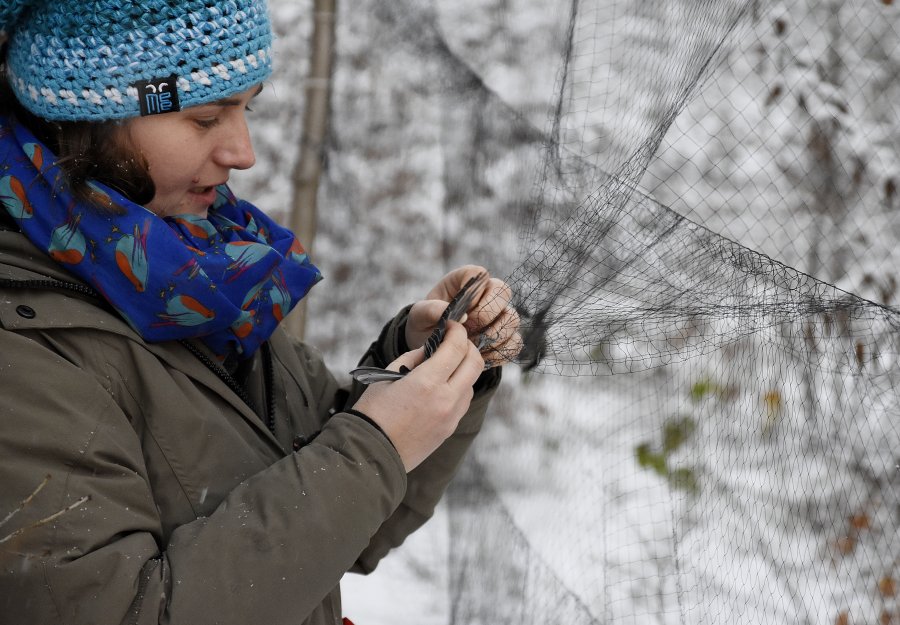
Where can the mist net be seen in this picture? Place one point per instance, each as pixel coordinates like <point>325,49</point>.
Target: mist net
<point>696,204</point>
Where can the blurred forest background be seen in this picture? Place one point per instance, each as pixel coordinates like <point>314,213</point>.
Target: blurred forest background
<point>747,472</point>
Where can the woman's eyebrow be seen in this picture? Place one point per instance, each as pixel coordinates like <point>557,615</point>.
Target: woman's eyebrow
<point>235,101</point>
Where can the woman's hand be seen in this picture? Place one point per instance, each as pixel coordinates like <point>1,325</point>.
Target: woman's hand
<point>491,323</point>
<point>421,410</point>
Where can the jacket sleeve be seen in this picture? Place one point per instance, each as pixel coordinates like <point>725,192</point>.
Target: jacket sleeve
<point>88,548</point>
<point>427,482</point>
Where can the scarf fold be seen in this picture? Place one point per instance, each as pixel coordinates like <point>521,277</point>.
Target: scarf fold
<point>227,279</point>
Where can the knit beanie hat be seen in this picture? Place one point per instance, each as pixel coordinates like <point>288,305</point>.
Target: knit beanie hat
<point>93,60</point>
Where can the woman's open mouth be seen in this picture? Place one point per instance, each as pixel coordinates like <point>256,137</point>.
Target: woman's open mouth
<point>205,195</point>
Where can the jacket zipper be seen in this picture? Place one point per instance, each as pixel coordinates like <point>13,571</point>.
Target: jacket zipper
<point>269,389</point>
<point>220,372</point>
<point>236,386</point>
<point>51,284</point>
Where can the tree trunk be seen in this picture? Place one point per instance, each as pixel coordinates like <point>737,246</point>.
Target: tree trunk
<point>307,171</point>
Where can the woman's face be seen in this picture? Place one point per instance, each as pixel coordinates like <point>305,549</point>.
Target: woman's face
<point>192,151</point>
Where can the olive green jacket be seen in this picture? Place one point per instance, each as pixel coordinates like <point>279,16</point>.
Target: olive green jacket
<point>170,498</point>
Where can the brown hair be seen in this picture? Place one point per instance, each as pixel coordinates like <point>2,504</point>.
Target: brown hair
<point>86,151</point>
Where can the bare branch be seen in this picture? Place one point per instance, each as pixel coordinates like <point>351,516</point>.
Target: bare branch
<point>24,502</point>
<point>45,520</point>
<point>308,170</point>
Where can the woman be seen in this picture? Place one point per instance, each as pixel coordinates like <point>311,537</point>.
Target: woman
<point>167,454</point>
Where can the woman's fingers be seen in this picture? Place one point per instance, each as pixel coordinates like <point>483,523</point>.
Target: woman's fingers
<point>486,311</point>
<point>410,360</point>
<point>453,361</point>
<point>469,369</point>
<point>494,325</point>
<point>450,284</point>
<point>501,342</point>
<point>492,322</point>
<point>422,318</point>
<point>419,411</point>
<point>495,297</point>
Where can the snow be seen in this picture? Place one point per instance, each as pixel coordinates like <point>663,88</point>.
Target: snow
<point>416,172</point>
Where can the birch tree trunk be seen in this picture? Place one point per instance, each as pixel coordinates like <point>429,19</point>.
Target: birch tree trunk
<point>306,174</point>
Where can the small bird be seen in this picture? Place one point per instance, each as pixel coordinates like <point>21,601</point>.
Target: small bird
<point>454,312</point>
<point>534,347</point>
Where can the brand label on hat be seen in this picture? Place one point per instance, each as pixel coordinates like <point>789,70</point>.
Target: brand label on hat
<point>158,96</point>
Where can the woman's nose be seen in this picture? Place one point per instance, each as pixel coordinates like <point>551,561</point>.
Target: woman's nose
<point>236,150</point>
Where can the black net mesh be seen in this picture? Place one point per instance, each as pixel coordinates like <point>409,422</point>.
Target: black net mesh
<point>695,202</point>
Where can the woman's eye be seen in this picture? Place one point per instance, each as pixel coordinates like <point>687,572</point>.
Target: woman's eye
<point>207,122</point>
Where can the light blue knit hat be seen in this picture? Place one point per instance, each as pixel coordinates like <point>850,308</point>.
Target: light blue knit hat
<point>114,59</point>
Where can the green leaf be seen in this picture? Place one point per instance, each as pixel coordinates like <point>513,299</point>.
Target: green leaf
<point>676,432</point>
<point>702,388</point>
<point>684,479</point>
<point>648,459</point>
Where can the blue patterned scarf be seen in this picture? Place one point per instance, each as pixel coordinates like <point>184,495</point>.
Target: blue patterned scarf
<point>227,279</point>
